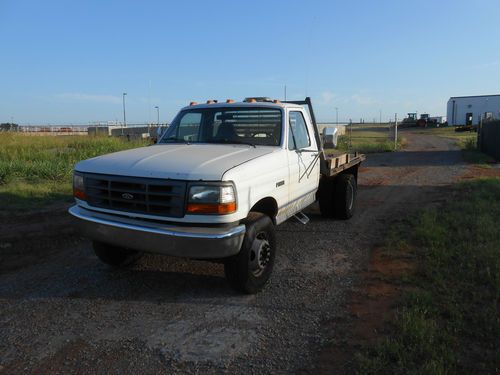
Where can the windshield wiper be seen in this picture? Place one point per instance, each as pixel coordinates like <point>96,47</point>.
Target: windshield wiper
<point>228,141</point>
<point>173,138</point>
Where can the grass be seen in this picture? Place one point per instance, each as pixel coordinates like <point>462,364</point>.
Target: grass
<point>37,170</point>
<point>368,141</point>
<point>448,320</point>
<point>449,132</point>
<point>471,154</point>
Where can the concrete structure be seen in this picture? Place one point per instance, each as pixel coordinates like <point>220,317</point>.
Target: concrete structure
<point>468,110</point>
<point>117,131</point>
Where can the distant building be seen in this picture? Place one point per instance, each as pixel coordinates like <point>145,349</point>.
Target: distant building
<point>469,110</point>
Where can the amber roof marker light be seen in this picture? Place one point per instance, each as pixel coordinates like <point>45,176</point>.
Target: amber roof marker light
<point>253,99</point>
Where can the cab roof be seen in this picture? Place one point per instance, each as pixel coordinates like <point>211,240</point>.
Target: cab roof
<point>260,104</point>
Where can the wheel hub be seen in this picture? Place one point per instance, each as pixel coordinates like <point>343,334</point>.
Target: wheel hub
<point>260,254</point>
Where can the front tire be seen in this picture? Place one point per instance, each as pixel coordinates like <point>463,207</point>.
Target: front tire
<point>251,268</point>
<point>115,256</point>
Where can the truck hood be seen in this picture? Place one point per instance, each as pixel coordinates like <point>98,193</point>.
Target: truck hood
<point>175,161</point>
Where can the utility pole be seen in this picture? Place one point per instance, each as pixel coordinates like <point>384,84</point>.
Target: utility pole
<point>350,134</point>
<point>337,116</point>
<point>285,93</point>
<point>395,131</point>
<point>124,116</point>
<point>157,115</point>
<point>380,116</point>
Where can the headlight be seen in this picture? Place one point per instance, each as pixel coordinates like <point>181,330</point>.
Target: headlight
<point>78,186</point>
<point>211,199</point>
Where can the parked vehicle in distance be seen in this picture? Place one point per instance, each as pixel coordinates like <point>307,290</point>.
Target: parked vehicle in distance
<point>214,187</point>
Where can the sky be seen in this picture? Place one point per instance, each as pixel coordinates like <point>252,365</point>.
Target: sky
<point>69,62</point>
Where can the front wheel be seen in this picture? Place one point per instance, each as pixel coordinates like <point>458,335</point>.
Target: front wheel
<point>250,269</point>
<point>115,256</point>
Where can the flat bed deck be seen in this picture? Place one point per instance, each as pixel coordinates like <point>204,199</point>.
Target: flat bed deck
<point>338,163</point>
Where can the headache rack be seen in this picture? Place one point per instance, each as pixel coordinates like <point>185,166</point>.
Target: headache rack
<point>330,165</point>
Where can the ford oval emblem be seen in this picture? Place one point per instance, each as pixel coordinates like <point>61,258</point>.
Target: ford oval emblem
<point>127,196</point>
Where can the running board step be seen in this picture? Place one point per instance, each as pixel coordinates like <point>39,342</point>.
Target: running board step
<point>301,217</point>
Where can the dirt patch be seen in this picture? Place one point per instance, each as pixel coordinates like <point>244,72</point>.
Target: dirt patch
<point>26,238</point>
<point>475,171</point>
<point>369,309</point>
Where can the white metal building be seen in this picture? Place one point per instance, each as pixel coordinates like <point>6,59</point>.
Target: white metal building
<point>468,110</point>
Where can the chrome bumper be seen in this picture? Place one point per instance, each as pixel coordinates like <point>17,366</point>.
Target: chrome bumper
<point>189,242</point>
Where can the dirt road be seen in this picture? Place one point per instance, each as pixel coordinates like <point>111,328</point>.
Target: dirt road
<point>66,312</point>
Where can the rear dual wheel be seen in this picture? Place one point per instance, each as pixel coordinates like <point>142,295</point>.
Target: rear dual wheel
<point>337,197</point>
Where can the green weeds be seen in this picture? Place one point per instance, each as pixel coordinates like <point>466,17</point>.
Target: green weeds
<point>368,141</point>
<point>449,320</point>
<point>37,169</point>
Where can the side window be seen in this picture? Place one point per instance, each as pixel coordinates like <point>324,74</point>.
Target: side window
<point>189,127</point>
<point>297,130</point>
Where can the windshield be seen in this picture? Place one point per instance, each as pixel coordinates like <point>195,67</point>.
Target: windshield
<point>253,126</point>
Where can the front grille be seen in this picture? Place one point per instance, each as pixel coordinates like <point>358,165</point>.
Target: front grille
<point>150,196</point>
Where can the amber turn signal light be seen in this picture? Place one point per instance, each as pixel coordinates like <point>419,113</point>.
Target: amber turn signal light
<point>210,208</point>
<point>79,194</point>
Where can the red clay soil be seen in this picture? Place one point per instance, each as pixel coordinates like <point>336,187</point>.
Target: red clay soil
<point>370,307</point>
<point>475,171</point>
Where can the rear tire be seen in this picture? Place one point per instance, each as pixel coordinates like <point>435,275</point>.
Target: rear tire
<point>115,256</point>
<point>344,198</point>
<point>337,197</point>
<point>251,268</point>
<point>326,193</point>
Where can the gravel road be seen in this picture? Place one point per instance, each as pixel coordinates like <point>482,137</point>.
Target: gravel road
<point>64,311</point>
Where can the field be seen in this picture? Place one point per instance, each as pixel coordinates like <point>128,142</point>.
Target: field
<point>35,171</point>
<point>369,139</point>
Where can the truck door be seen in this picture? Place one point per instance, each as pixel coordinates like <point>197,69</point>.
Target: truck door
<point>303,161</point>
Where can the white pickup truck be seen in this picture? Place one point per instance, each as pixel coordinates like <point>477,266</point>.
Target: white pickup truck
<point>214,187</point>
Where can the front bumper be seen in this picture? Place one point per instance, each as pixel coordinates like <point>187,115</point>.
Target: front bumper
<point>189,242</point>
